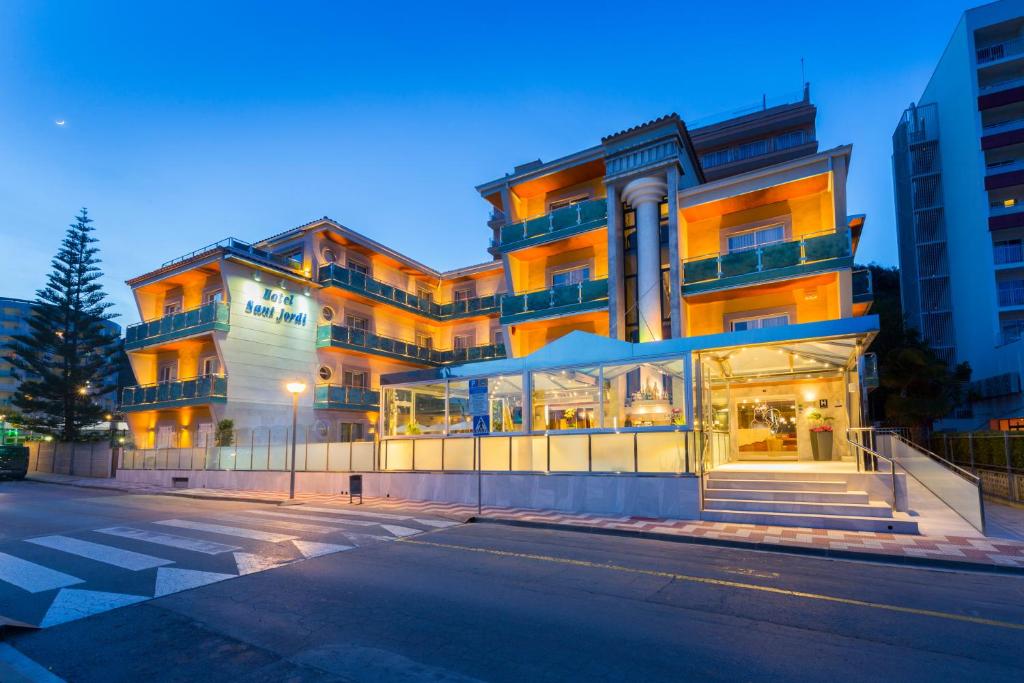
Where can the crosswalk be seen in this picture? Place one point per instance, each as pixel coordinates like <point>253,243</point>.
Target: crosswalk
<point>59,577</point>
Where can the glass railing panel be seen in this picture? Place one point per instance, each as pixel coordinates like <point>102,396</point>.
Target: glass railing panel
<point>781,255</point>
<point>594,209</point>
<point>536,301</point>
<point>700,270</point>
<point>828,246</point>
<point>563,218</point>
<point>739,263</point>
<point>566,295</point>
<point>956,488</point>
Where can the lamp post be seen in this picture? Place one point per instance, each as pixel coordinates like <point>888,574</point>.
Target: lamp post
<point>294,388</point>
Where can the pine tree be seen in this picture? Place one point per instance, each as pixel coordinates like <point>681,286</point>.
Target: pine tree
<point>64,361</point>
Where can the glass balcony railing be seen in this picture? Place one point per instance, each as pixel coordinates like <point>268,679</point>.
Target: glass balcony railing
<point>208,317</point>
<point>198,390</point>
<point>352,280</point>
<point>340,397</point>
<point>361,340</point>
<point>565,299</point>
<point>563,222</point>
<point>768,261</point>
<point>863,288</point>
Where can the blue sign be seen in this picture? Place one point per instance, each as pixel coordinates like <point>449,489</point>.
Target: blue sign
<point>481,425</point>
<point>478,404</point>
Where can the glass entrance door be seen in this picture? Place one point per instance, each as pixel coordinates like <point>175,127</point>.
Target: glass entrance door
<point>766,429</point>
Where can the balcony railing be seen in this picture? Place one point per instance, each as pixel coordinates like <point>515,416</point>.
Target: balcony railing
<point>562,300</point>
<point>1012,295</point>
<point>184,392</point>
<point>352,280</point>
<point>1007,253</point>
<point>208,317</point>
<point>993,53</point>
<point>1003,126</point>
<point>242,248</point>
<point>361,340</point>
<point>563,222</point>
<point>1007,166</point>
<point>1002,85</point>
<point>769,261</point>
<point>342,397</point>
<point>863,286</point>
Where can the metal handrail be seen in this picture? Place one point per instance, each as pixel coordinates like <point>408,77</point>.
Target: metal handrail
<point>935,456</point>
<point>872,452</point>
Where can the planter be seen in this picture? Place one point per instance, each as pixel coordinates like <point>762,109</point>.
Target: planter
<point>821,445</point>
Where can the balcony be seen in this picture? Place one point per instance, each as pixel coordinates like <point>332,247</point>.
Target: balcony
<point>360,283</point>
<point>589,295</point>
<point>339,336</point>
<point>1000,51</point>
<point>206,318</point>
<point>560,223</point>
<point>863,287</point>
<point>340,397</point>
<point>814,253</point>
<point>1011,293</point>
<point>176,394</point>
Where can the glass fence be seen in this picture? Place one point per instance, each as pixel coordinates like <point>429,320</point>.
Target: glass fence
<point>670,452</point>
<point>272,456</point>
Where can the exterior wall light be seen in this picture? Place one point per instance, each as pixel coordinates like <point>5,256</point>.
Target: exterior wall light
<point>256,275</point>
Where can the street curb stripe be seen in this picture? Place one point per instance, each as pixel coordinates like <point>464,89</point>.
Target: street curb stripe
<point>724,583</point>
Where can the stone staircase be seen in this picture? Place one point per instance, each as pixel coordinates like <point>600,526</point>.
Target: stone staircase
<point>800,499</point>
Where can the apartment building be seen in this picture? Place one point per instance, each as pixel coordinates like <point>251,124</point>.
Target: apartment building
<point>958,171</point>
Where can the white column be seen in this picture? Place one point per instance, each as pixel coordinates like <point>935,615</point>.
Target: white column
<point>644,195</point>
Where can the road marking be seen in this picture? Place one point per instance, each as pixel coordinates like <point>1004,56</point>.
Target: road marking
<point>125,559</point>
<point>357,513</point>
<point>33,577</point>
<point>195,545</point>
<point>227,530</point>
<point>725,583</point>
<point>400,530</point>
<point>314,518</point>
<point>439,523</point>
<point>280,524</point>
<point>313,549</point>
<point>173,580</point>
<point>249,563</point>
<point>21,668</point>
<point>73,603</point>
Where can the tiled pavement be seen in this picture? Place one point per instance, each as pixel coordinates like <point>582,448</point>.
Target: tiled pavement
<point>990,551</point>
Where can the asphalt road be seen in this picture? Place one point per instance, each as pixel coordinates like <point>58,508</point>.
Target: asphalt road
<point>497,603</point>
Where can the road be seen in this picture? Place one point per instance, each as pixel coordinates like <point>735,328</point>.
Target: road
<point>498,603</point>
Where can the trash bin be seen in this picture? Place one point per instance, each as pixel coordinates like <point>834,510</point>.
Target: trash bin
<point>355,487</point>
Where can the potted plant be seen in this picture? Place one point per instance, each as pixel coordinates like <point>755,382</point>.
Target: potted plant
<point>821,436</point>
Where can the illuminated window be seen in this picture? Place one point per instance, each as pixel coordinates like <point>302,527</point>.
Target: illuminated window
<point>570,276</point>
<point>760,322</point>
<point>755,238</point>
<point>356,378</point>
<point>1009,203</point>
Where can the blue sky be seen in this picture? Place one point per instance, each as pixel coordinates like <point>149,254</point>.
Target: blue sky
<point>190,122</point>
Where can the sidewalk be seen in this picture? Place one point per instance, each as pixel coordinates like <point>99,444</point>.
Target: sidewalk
<point>1002,550</point>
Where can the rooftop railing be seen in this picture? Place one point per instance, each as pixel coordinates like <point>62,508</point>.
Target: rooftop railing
<point>346,278</point>
<point>206,388</point>
<point>240,247</point>
<point>562,222</point>
<point>352,338</point>
<point>771,260</point>
<point>210,316</point>
<point>560,300</point>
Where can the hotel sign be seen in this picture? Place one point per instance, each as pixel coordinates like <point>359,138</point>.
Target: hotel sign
<point>277,306</point>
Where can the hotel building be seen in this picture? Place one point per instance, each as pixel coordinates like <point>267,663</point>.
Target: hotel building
<point>666,302</point>
<point>958,171</point>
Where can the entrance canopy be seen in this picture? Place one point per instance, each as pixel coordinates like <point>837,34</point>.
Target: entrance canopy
<point>806,357</point>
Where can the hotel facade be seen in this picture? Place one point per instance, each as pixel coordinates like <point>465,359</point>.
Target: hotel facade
<point>662,304</point>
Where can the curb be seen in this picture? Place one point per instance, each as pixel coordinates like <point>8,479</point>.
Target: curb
<point>826,553</point>
<point>144,492</point>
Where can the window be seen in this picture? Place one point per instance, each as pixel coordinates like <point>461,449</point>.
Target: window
<point>463,294</point>
<point>172,308</point>
<point>327,314</point>
<point>462,341</point>
<point>755,238</point>
<point>649,394</point>
<point>566,399</point>
<point>760,322</point>
<point>717,158</point>
<point>358,266</point>
<point>572,276</point>
<point>497,336</point>
<point>794,138</point>
<point>751,149</point>
<point>424,340</point>
<point>356,378</point>
<point>215,297</point>
<point>325,373</point>
<point>356,322</point>
<point>167,372</point>
<point>424,294</point>
<point>211,365</point>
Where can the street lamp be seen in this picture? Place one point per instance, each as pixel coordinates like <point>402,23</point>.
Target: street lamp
<point>294,388</point>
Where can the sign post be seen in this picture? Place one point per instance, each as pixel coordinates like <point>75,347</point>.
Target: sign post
<point>479,409</point>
